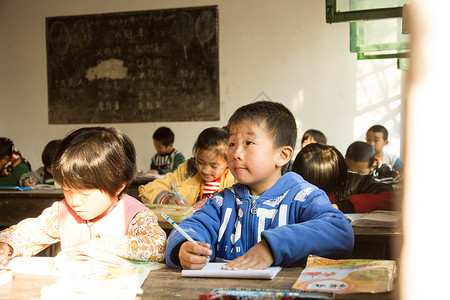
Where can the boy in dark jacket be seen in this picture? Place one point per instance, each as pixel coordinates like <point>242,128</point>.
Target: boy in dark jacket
<point>350,192</point>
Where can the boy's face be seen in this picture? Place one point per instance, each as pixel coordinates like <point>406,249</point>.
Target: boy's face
<point>210,164</point>
<point>376,140</point>
<point>161,148</point>
<point>90,205</point>
<point>49,170</point>
<point>360,167</point>
<point>309,140</point>
<point>252,158</point>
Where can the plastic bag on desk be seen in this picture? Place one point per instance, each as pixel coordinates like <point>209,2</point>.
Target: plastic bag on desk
<point>91,274</point>
<point>176,212</point>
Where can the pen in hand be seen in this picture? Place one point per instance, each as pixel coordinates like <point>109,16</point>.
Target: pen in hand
<point>176,192</point>
<point>178,228</point>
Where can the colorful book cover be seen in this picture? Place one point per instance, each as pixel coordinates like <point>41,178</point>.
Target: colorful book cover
<point>347,275</point>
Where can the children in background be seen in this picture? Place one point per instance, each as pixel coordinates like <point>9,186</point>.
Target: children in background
<point>12,164</point>
<point>197,179</point>
<point>245,223</point>
<point>310,136</point>
<point>43,175</point>
<point>94,167</point>
<point>377,136</point>
<point>166,159</point>
<point>360,157</point>
<point>325,167</point>
<point>313,136</point>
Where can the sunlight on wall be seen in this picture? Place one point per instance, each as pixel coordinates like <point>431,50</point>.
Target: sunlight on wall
<point>297,105</point>
<point>378,100</point>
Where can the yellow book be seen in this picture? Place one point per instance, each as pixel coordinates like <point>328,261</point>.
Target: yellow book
<point>344,276</point>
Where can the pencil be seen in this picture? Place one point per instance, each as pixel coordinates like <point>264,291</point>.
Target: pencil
<point>29,175</point>
<point>178,228</point>
<point>176,192</point>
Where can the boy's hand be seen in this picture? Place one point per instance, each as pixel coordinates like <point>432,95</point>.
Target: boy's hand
<point>257,258</point>
<point>4,253</point>
<point>197,205</point>
<point>29,182</point>
<point>194,257</point>
<point>152,171</point>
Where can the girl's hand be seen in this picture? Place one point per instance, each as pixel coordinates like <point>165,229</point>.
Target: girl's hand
<point>4,253</point>
<point>194,257</point>
<point>257,258</point>
<point>172,199</point>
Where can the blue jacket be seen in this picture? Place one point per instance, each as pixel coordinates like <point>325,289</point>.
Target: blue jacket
<point>293,216</point>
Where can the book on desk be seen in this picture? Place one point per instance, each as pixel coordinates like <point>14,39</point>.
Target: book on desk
<point>343,276</point>
<point>376,219</point>
<point>14,188</point>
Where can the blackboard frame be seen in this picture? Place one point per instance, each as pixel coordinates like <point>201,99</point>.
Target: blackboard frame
<point>139,66</point>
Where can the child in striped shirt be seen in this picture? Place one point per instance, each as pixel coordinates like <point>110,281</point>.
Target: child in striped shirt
<point>198,178</point>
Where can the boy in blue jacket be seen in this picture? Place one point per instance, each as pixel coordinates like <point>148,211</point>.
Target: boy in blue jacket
<point>266,218</point>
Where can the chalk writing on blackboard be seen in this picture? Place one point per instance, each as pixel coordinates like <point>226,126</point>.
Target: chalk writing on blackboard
<point>141,66</point>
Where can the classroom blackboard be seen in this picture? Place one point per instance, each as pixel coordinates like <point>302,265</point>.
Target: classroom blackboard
<point>140,66</point>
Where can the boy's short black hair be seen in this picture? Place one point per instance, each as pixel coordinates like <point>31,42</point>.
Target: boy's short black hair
<point>49,153</point>
<point>164,135</point>
<point>361,152</point>
<point>380,128</point>
<point>5,147</point>
<point>212,138</point>
<point>318,136</point>
<point>275,117</point>
<point>322,165</point>
<point>95,158</point>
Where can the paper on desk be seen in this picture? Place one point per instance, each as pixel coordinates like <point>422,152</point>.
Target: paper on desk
<point>33,266</point>
<point>42,186</point>
<point>215,270</point>
<point>150,176</point>
<point>91,274</point>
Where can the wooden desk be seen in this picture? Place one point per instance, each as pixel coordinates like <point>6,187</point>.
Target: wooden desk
<point>133,189</point>
<point>370,243</point>
<point>168,283</point>
<point>18,205</point>
<point>377,243</point>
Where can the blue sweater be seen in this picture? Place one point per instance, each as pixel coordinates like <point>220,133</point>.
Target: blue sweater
<point>293,216</point>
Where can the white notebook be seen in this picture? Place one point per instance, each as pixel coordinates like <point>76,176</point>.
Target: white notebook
<point>215,270</point>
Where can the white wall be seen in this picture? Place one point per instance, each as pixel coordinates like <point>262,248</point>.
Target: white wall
<point>283,49</point>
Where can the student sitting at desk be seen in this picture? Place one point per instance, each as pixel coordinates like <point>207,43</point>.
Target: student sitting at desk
<point>167,158</point>
<point>94,167</point>
<point>43,175</point>
<point>266,218</point>
<point>12,164</point>
<point>360,158</point>
<point>313,136</point>
<point>197,179</point>
<point>377,136</point>
<point>325,167</point>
